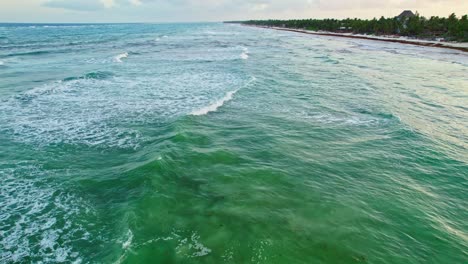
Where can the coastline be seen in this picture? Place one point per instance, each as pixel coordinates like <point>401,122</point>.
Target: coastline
<point>418,42</point>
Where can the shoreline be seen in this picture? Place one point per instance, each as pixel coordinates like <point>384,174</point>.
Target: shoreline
<point>425,43</point>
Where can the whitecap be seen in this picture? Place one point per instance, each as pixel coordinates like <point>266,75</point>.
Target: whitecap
<point>128,242</point>
<point>2,63</point>
<point>245,54</point>
<point>95,112</point>
<point>213,107</point>
<point>159,38</point>
<point>44,216</point>
<point>119,57</point>
<point>73,118</point>
<point>200,249</point>
<point>188,245</point>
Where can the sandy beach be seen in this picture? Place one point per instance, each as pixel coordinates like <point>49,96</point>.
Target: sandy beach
<point>403,40</point>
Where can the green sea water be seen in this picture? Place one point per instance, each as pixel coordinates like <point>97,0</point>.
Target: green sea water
<point>212,143</point>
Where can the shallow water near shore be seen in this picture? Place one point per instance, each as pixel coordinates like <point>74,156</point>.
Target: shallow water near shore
<point>213,143</point>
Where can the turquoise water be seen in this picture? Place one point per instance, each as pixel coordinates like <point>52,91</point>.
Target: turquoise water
<point>212,143</point>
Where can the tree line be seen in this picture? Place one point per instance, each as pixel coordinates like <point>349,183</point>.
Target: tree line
<point>451,28</point>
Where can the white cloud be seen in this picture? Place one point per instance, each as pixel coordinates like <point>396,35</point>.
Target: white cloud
<point>259,7</point>
<point>135,2</point>
<point>76,5</point>
<point>108,3</point>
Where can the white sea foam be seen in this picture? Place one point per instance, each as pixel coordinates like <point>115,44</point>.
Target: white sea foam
<point>213,107</point>
<point>245,54</point>
<point>128,242</point>
<point>45,218</point>
<point>188,245</point>
<point>338,119</point>
<point>159,38</point>
<point>119,57</point>
<point>101,113</point>
<point>2,63</point>
<point>200,249</point>
<point>220,33</point>
<point>69,113</point>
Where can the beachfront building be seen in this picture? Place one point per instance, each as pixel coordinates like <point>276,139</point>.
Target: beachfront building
<point>405,15</point>
<point>344,29</point>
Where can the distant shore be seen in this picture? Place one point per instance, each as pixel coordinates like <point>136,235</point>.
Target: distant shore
<point>418,42</point>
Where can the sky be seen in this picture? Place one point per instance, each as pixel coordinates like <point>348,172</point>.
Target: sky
<point>101,11</point>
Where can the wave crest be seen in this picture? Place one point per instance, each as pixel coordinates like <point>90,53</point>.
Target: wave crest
<point>34,53</point>
<point>245,54</point>
<point>119,57</point>
<point>213,107</point>
<point>47,218</point>
<point>99,75</point>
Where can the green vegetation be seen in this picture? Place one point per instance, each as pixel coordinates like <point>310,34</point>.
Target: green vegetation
<point>451,28</point>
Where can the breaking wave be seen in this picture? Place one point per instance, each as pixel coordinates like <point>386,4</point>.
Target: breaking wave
<point>99,75</point>
<point>188,244</point>
<point>119,57</point>
<point>213,107</point>
<point>35,53</point>
<point>245,54</point>
<point>47,219</point>
<point>97,110</point>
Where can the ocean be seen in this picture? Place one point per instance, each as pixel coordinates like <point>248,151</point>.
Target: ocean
<point>218,143</point>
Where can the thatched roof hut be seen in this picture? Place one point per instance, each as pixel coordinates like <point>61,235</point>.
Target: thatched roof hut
<point>406,14</point>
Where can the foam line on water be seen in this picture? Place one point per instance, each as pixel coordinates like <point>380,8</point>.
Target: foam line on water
<point>119,57</point>
<point>189,244</point>
<point>213,107</point>
<point>47,218</point>
<point>93,110</point>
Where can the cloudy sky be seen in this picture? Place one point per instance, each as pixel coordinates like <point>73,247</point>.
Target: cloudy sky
<point>214,10</point>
